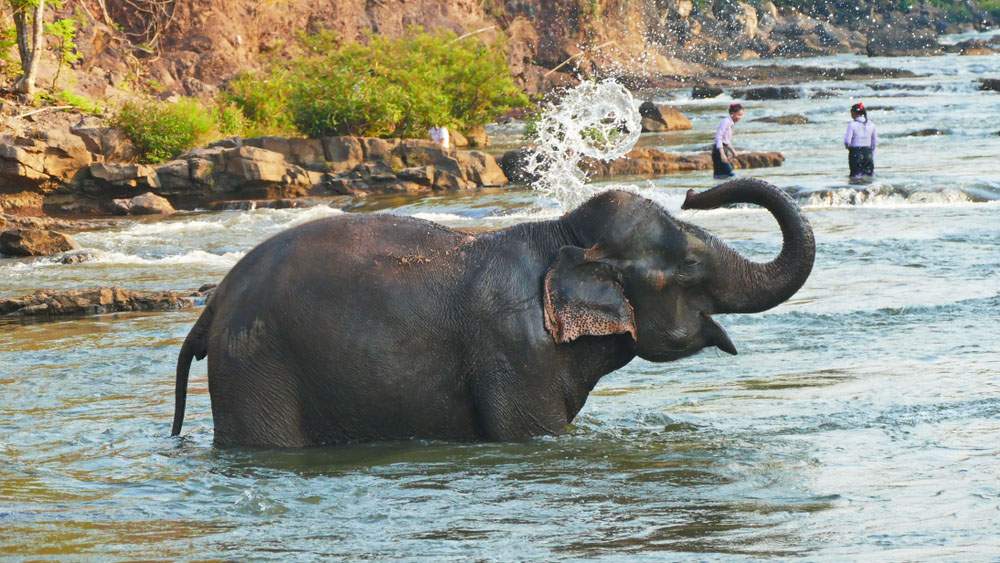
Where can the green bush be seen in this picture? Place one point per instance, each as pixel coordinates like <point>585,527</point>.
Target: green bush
<point>262,97</point>
<point>388,87</point>
<point>163,130</point>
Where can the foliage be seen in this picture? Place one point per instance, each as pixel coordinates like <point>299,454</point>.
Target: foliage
<point>9,67</point>
<point>263,100</point>
<point>68,98</point>
<point>64,33</point>
<point>388,87</point>
<point>163,130</point>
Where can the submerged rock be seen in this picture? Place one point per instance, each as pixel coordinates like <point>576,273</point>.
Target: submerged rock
<point>55,303</point>
<point>35,242</point>
<point>704,92</point>
<point>925,133</point>
<point>793,119</point>
<point>769,93</point>
<point>989,84</point>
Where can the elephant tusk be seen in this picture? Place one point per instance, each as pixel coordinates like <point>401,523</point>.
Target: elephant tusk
<point>717,335</point>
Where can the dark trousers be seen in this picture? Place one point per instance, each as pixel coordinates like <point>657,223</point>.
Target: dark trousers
<point>861,160</point>
<point>720,168</point>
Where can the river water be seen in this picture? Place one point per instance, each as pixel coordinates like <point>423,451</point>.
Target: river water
<point>861,419</point>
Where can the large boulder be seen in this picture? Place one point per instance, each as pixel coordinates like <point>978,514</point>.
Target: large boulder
<point>897,41</point>
<point>481,168</point>
<point>40,161</point>
<point>514,164</point>
<point>145,204</point>
<point>107,144</point>
<point>660,117</point>
<point>34,242</point>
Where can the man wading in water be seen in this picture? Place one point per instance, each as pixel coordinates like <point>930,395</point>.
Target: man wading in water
<point>860,141</point>
<point>722,152</point>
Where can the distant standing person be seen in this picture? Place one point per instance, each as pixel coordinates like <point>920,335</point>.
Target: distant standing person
<point>440,136</point>
<point>722,152</point>
<point>860,141</point>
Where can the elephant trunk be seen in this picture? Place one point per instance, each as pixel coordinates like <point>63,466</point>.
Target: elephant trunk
<point>745,286</point>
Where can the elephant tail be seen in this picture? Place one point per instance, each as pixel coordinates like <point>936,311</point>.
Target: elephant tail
<point>195,346</point>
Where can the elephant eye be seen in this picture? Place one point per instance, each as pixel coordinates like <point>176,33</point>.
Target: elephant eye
<point>691,262</point>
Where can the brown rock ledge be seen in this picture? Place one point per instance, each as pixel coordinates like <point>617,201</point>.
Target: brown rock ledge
<point>47,303</point>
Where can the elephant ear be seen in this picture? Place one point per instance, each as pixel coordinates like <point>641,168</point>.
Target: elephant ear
<point>585,297</point>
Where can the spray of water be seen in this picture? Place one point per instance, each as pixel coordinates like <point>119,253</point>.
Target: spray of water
<point>598,120</point>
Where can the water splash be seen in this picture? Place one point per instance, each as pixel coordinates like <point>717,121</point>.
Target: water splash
<point>597,120</point>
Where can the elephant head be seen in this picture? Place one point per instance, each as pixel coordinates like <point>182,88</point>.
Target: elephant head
<point>639,271</point>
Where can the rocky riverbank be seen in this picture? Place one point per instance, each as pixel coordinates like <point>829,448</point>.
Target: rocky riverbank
<point>86,170</point>
<point>48,304</point>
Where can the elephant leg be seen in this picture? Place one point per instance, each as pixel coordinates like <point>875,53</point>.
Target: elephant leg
<point>257,403</point>
<point>505,410</point>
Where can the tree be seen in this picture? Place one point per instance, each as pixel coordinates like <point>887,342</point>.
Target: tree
<point>30,40</point>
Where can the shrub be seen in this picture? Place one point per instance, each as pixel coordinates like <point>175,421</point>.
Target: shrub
<point>262,98</point>
<point>163,130</point>
<point>388,87</point>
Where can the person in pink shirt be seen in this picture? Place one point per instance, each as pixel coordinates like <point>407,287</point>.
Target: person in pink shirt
<point>860,142</point>
<point>722,151</point>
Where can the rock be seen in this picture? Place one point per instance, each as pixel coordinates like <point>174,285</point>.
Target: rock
<point>793,119</point>
<point>481,168</point>
<point>25,202</point>
<point>769,93</point>
<point>343,153</point>
<point>925,133</point>
<point>77,257</point>
<point>35,242</point>
<point>308,153</point>
<point>659,117</point>
<point>151,204</point>
<point>514,164</point>
<point>125,175</point>
<point>477,136</point>
<point>107,144</point>
<point>651,161</point>
<point>53,303</point>
<point>703,92</point>
<point>895,41</point>
<point>989,84</point>
<point>458,140</point>
<point>40,162</point>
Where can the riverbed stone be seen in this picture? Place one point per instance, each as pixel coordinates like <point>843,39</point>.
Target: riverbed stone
<point>35,242</point>
<point>75,302</point>
<point>989,84</point>
<point>703,92</point>
<point>792,119</point>
<point>660,117</point>
<point>150,204</point>
<point>769,93</point>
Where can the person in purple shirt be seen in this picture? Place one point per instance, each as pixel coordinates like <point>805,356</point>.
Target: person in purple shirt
<point>860,142</point>
<point>722,151</point>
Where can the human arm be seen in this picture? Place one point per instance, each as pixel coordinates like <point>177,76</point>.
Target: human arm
<point>848,136</point>
<point>874,139</point>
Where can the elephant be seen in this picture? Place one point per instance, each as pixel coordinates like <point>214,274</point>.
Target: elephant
<point>377,327</point>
